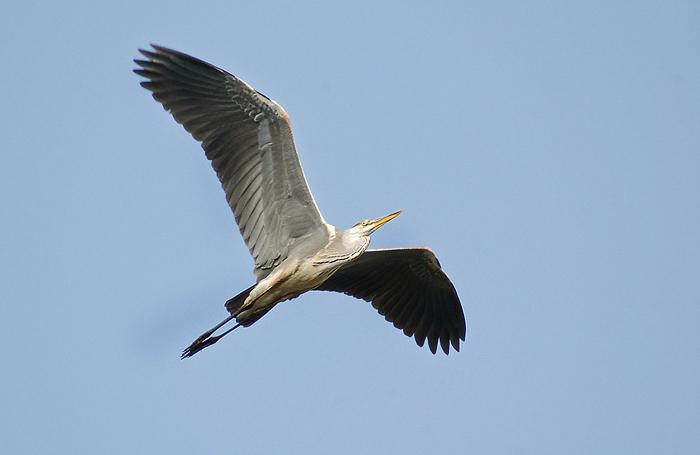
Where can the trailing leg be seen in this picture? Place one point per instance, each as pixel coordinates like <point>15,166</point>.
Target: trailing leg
<point>206,339</point>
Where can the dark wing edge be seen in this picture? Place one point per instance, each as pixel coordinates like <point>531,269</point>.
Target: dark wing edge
<point>409,288</point>
<point>247,137</point>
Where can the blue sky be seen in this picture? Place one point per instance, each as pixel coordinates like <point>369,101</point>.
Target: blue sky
<point>548,152</point>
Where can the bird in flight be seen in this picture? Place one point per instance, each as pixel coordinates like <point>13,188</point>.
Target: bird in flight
<point>248,139</point>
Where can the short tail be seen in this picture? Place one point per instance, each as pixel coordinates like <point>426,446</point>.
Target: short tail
<point>246,317</point>
<point>234,304</point>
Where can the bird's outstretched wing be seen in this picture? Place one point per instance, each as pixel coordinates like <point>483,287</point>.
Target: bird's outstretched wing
<point>248,139</point>
<point>408,287</point>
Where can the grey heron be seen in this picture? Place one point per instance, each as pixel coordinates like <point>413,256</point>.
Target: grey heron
<point>248,139</point>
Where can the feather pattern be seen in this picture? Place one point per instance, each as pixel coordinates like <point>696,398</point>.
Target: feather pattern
<point>248,139</point>
<point>408,287</point>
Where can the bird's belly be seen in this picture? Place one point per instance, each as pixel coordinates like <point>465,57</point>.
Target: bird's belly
<point>289,281</point>
<point>307,277</point>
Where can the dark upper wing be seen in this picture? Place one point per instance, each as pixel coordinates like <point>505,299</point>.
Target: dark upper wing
<point>249,141</point>
<point>409,288</point>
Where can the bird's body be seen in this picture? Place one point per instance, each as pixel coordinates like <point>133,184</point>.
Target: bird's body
<point>305,270</point>
<point>248,139</point>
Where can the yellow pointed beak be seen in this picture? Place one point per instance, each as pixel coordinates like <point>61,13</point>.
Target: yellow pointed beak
<point>379,222</point>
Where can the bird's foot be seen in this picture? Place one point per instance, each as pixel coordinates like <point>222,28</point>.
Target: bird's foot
<point>200,343</point>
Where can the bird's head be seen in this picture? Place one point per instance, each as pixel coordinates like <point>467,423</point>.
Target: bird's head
<point>366,227</point>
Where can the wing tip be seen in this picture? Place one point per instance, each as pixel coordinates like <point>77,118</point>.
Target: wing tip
<point>433,343</point>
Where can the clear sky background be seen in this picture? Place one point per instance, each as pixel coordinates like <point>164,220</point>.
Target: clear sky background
<point>548,152</point>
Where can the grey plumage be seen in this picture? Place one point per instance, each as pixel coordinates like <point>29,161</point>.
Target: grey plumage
<point>248,139</point>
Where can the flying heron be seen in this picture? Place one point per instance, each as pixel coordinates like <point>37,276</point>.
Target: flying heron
<point>248,139</point>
